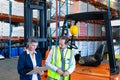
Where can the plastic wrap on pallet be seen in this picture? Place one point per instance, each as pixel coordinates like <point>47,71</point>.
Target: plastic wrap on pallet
<point>84,48</point>
<point>53,29</point>
<point>91,47</point>
<point>97,44</point>
<point>4,29</point>
<point>4,6</point>
<point>17,8</point>
<point>18,31</point>
<point>91,29</point>
<point>83,6</point>
<point>83,29</point>
<point>98,30</point>
<point>113,4</point>
<point>91,8</point>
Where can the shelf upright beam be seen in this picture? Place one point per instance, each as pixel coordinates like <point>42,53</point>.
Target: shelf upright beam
<point>59,5</point>
<point>10,35</point>
<point>101,33</point>
<point>87,6</point>
<point>67,14</point>
<point>50,40</point>
<point>56,20</point>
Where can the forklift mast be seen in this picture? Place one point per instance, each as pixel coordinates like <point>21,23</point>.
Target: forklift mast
<point>109,36</point>
<point>39,26</point>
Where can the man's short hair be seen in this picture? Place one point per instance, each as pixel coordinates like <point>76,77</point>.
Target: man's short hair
<point>63,37</point>
<point>33,39</point>
<point>66,39</point>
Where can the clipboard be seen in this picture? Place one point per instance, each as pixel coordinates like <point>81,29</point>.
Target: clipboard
<point>38,69</point>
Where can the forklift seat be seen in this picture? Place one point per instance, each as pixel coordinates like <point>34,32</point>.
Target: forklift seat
<point>93,60</point>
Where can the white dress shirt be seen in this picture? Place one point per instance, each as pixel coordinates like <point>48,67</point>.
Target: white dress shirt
<point>34,76</point>
<point>53,67</point>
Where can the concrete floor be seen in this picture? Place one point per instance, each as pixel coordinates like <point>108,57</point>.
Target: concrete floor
<point>8,69</point>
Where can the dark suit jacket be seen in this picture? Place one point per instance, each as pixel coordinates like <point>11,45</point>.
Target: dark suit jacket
<point>25,65</point>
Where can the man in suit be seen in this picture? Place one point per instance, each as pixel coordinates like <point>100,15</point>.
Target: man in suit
<point>30,60</point>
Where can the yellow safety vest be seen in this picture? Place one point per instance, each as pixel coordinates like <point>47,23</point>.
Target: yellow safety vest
<point>56,60</point>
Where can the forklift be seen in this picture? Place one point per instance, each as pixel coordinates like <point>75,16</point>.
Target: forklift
<point>103,71</point>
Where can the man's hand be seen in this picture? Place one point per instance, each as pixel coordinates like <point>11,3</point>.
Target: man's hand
<point>66,73</point>
<point>60,71</point>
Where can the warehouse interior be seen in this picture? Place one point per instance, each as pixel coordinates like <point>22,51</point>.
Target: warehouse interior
<point>97,21</point>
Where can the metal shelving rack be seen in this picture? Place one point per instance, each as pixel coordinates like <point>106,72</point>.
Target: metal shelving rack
<point>29,22</point>
<point>9,40</point>
<point>57,17</point>
<point>95,3</point>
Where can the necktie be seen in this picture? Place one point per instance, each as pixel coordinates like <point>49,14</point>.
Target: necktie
<point>62,59</point>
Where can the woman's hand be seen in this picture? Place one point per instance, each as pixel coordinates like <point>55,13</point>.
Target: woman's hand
<point>41,72</point>
<point>36,70</point>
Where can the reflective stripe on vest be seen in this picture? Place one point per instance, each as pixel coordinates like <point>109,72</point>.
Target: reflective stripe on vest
<point>57,61</point>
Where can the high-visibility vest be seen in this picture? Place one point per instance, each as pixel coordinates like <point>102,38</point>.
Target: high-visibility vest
<point>56,60</point>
